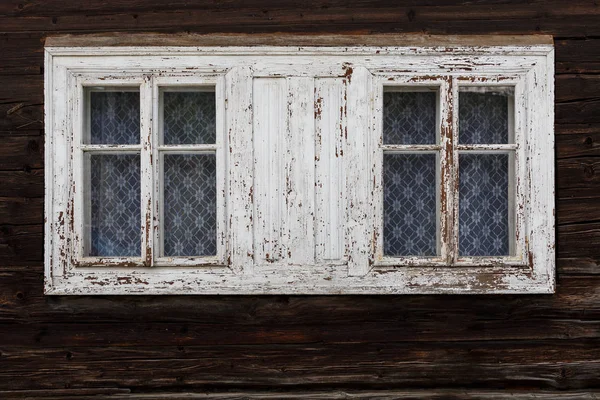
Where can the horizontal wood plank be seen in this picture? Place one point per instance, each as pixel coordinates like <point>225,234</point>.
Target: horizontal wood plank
<point>283,39</point>
<point>22,244</point>
<point>21,211</point>
<point>566,20</point>
<point>534,365</point>
<point>412,394</point>
<point>22,153</point>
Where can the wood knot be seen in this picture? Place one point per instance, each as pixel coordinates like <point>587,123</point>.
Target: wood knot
<point>588,171</point>
<point>411,14</point>
<point>588,141</point>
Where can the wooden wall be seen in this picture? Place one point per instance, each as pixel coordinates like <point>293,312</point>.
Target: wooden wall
<point>392,346</point>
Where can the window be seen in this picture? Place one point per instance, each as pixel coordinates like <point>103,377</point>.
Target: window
<point>375,164</point>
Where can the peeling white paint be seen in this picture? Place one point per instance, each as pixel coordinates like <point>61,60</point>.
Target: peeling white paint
<point>300,178</point>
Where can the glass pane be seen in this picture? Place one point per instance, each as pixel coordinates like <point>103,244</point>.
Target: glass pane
<point>115,205</point>
<point>484,205</point>
<point>409,117</point>
<point>483,118</point>
<point>409,205</point>
<point>189,117</point>
<point>190,205</point>
<point>114,118</point>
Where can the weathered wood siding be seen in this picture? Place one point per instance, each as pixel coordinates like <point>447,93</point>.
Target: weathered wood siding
<point>57,346</point>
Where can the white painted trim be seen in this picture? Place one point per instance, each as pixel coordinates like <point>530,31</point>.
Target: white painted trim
<point>330,113</point>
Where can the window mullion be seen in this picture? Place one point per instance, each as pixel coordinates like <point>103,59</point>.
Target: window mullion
<point>449,171</point>
<point>147,170</point>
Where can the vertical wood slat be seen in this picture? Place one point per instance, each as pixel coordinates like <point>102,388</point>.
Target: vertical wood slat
<point>449,171</point>
<point>540,134</point>
<point>520,170</point>
<point>330,128</point>
<point>147,170</point>
<point>300,171</point>
<point>358,165</point>
<point>50,249</point>
<point>241,169</point>
<point>221,183</point>
<point>81,173</point>
<point>284,170</point>
<point>269,125</point>
<point>61,184</point>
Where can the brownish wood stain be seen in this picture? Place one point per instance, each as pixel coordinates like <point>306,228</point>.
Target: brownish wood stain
<point>402,346</point>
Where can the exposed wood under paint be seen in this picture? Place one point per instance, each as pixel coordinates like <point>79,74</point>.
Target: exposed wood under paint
<point>283,39</point>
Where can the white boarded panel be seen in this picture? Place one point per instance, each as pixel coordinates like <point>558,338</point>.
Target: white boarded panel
<point>359,168</point>
<point>270,127</point>
<point>300,172</point>
<point>330,130</point>
<point>238,84</point>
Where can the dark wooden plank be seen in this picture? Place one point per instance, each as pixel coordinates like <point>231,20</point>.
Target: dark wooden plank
<point>535,365</point>
<point>580,241</point>
<point>95,393</point>
<point>578,140</point>
<point>22,153</point>
<point>410,394</point>
<point>126,335</point>
<point>577,99</point>
<point>578,266</point>
<point>21,102</point>
<point>577,179</point>
<point>27,183</point>
<point>57,7</point>
<point>21,245</point>
<point>31,132</point>
<point>574,173</point>
<point>21,211</point>
<point>22,54</point>
<point>577,56</point>
<point>490,8</point>
<point>576,87</point>
<point>18,115</point>
<point>577,210</point>
<point>562,19</point>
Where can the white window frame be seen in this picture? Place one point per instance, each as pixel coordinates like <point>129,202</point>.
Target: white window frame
<point>337,238</point>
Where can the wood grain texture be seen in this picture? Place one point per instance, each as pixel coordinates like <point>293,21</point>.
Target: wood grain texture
<point>549,343</point>
<point>444,394</point>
